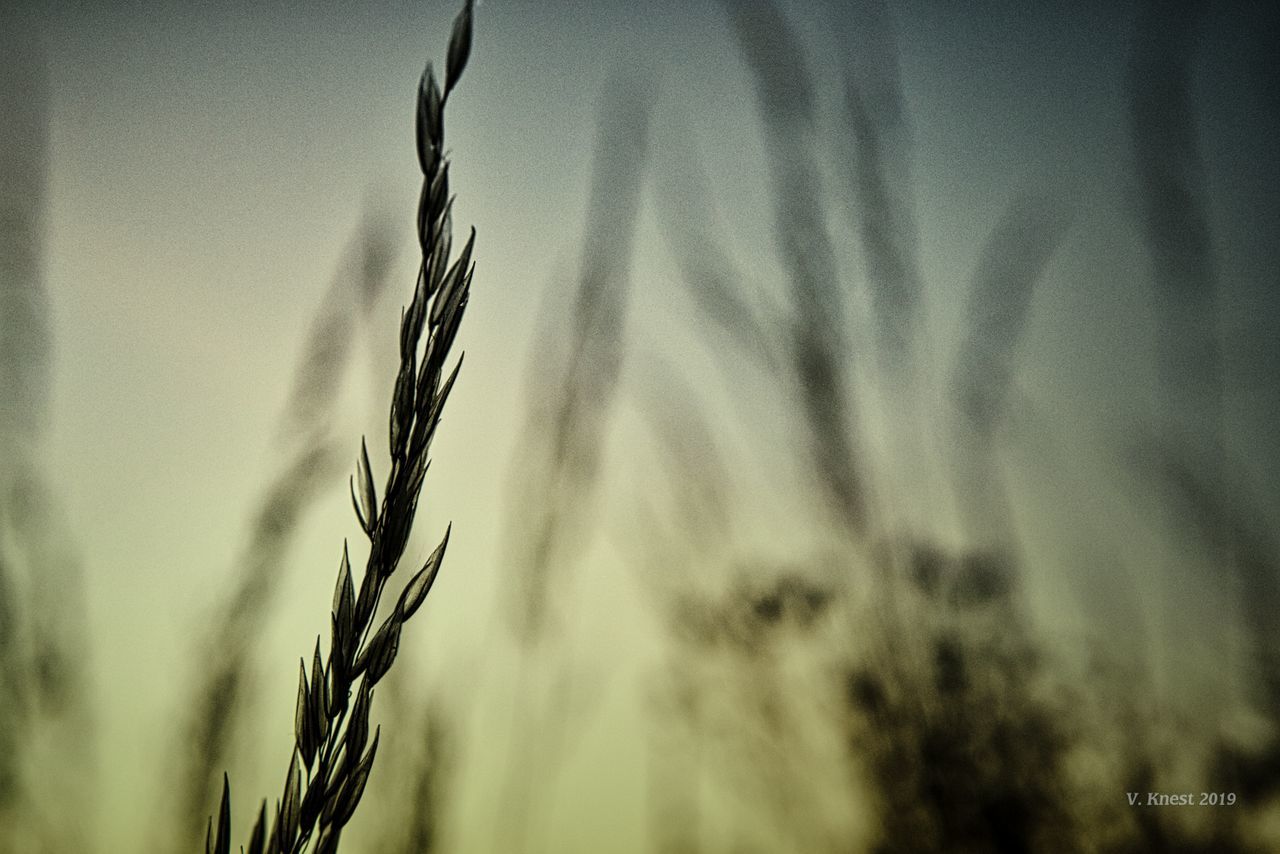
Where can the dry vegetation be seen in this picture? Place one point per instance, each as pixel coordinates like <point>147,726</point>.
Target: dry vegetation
<point>885,689</point>
<point>891,690</point>
<point>333,754</point>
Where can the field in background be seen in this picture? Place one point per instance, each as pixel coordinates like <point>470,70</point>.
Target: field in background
<point>864,440</point>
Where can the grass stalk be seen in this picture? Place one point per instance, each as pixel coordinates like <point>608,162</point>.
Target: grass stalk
<point>227,675</point>
<point>333,753</point>
<point>45,724</point>
<point>817,346</point>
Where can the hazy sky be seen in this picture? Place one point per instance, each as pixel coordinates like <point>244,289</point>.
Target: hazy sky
<point>210,161</point>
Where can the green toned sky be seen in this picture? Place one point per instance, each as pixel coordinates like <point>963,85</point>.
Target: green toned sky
<point>207,167</point>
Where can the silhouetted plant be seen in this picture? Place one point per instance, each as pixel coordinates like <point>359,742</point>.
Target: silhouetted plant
<point>333,750</point>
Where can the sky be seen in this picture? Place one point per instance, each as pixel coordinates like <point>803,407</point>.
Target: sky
<point>208,166</point>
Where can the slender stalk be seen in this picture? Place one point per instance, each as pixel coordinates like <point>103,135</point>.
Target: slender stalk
<point>333,755</point>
